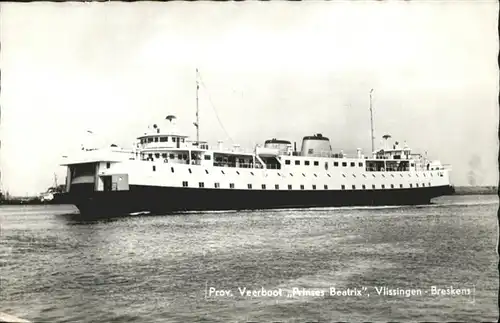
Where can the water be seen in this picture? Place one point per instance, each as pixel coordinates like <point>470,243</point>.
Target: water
<point>56,268</point>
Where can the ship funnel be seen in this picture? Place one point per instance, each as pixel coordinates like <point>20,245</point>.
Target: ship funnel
<point>316,145</point>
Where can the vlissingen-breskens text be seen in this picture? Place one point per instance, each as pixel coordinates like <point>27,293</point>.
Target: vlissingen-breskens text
<point>449,291</point>
<point>384,291</point>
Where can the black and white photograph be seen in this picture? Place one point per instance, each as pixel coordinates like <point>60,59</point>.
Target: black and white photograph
<point>277,161</point>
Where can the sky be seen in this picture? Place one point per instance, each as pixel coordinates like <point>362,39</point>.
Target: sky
<point>270,70</point>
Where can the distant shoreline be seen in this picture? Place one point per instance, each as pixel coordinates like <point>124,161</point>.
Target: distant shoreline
<point>476,190</point>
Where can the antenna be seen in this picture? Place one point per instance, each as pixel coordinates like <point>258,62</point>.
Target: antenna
<point>371,121</point>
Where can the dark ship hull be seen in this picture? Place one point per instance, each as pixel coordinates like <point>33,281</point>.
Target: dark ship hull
<point>164,200</point>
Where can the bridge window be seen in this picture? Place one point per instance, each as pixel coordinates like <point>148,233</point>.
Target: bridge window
<point>231,185</point>
<point>287,162</point>
<point>360,164</point>
<point>156,139</point>
<point>326,187</point>
<point>335,164</point>
<point>163,139</point>
<point>263,186</point>
<point>276,187</point>
<point>207,157</point>
<point>157,155</point>
<point>185,184</point>
<point>108,165</point>
<point>314,187</point>
<point>164,155</point>
<point>171,156</point>
<point>306,163</point>
<point>154,168</point>
<point>217,185</point>
<point>179,156</point>
<point>150,156</point>
<point>173,139</point>
<point>344,164</point>
<point>250,186</point>
<point>201,184</point>
<point>363,186</point>
<point>289,187</point>
<point>301,187</point>
<point>342,187</point>
<point>316,163</point>
<point>150,139</point>
<point>297,162</point>
<point>353,164</point>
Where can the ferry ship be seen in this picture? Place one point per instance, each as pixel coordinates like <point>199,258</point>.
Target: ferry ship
<point>166,172</point>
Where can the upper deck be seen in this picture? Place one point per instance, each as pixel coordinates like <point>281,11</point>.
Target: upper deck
<point>168,145</point>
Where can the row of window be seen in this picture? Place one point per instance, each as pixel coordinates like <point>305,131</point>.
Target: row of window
<point>383,186</point>
<point>160,139</point>
<point>302,187</point>
<point>383,175</point>
<point>172,156</point>
<point>316,163</point>
<point>304,175</point>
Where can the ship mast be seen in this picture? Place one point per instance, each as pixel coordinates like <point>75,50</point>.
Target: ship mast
<point>371,121</point>
<point>197,123</point>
